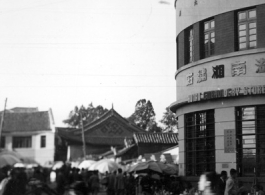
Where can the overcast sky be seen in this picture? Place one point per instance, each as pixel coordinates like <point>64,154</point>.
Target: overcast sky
<point>61,53</point>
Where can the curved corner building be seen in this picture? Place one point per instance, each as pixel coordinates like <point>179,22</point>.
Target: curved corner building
<point>220,82</point>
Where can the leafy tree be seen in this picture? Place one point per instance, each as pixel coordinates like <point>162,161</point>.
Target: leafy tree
<point>88,115</point>
<point>144,116</point>
<point>153,127</point>
<point>170,122</point>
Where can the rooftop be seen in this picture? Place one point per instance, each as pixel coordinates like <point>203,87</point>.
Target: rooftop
<point>15,120</point>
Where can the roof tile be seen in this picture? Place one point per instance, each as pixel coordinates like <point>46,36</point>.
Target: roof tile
<point>164,138</point>
<point>28,121</point>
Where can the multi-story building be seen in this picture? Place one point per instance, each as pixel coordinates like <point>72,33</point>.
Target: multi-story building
<point>30,133</point>
<point>220,81</point>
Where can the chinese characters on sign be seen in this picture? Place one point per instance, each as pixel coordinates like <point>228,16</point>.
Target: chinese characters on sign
<point>202,75</point>
<point>229,141</point>
<point>261,65</point>
<point>190,79</point>
<point>238,68</point>
<point>218,72</point>
<point>195,2</point>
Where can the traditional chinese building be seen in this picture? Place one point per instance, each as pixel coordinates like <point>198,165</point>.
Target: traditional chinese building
<point>147,144</point>
<point>109,131</point>
<point>220,82</point>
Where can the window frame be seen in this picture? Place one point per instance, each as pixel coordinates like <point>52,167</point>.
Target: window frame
<point>208,49</point>
<point>43,144</point>
<point>247,21</point>
<point>3,142</point>
<point>191,45</point>
<point>22,142</point>
<point>259,124</point>
<point>199,142</point>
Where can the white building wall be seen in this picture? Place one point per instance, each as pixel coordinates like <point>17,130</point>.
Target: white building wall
<point>40,155</point>
<point>224,119</point>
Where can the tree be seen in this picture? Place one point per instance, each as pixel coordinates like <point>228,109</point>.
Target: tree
<point>144,116</point>
<point>88,115</point>
<point>170,122</point>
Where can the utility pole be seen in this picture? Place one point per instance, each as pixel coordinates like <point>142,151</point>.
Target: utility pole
<point>2,122</point>
<point>83,136</point>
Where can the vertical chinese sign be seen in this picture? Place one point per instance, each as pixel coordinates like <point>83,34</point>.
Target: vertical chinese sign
<point>229,141</point>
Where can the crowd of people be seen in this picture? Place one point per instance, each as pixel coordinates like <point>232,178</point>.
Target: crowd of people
<point>16,181</point>
<point>211,184</point>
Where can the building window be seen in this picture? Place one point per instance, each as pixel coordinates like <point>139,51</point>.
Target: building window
<point>199,142</point>
<point>209,38</point>
<point>3,142</point>
<point>191,45</point>
<point>250,129</point>
<point>43,141</point>
<point>22,142</point>
<point>247,29</point>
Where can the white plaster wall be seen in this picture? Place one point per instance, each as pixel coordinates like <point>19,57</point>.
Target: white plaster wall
<point>40,155</point>
<point>191,13</point>
<point>46,154</point>
<point>224,119</point>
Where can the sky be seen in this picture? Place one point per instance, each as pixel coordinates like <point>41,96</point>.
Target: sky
<point>60,54</point>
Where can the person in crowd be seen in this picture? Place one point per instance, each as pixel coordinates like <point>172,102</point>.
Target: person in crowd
<point>71,175</point>
<point>13,186</point>
<point>207,183</point>
<point>231,187</point>
<point>22,180</point>
<point>220,189</point>
<point>111,183</point>
<point>94,183</point>
<point>83,174</point>
<point>6,178</point>
<point>76,175</point>
<point>61,181</point>
<point>260,190</point>
<point>146,184</point>
<point>38,175</point>
<point>120,185</point>
<point>125,179</point>
<point>130,187</point>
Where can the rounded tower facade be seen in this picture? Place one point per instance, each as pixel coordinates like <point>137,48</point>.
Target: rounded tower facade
<point>220,81</point>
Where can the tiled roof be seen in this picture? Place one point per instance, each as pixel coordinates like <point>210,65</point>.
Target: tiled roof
<point>161,138</point>
<point>19,122</point>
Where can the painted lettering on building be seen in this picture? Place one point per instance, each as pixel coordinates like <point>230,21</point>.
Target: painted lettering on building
<point>229,141</point>
<point>202,75</point>
<point>230,92</point>
<point>238,68</point>
<point>261,66</point>
<point>218,71</point>
<point>189,79</point>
